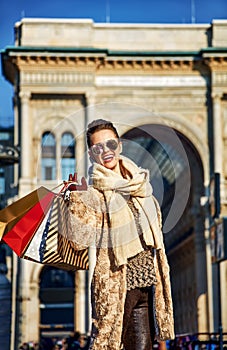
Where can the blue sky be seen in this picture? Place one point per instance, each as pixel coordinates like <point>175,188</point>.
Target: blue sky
<point>115,11</point>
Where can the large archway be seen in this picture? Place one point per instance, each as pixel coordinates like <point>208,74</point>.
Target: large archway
<point>176,174</point>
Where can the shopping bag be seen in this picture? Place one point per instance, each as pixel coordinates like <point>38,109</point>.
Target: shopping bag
<point>10,215</point>
<point>50,245</point>
<point>33,249</point>
<point>22,232</point>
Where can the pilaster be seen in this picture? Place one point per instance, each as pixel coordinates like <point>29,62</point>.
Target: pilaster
<point>218,139</point>
<point>90,116</point>
<point>25,135</point>
<point>201,270</point>
<point>80,302</point>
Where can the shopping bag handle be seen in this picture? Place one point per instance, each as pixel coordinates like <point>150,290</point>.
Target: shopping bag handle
<point>63,186</point>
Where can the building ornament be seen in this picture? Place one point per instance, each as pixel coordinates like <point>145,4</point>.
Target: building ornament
<point>94,62</point>
<point>24,96</point>
<point>56,77</point>
<point>60,60</point>
<point>216,96</point>
<point>216,62</point>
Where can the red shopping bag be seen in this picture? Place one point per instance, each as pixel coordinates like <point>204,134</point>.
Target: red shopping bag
<point>20,235</point>
<point>10,215</point>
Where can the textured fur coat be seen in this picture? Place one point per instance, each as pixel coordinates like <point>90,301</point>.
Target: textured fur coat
<point>89,223</point>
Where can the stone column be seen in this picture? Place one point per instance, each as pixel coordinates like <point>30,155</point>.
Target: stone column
<point>90,108</point>
<point>218,139</point>
<point>33,318</point>
<point>219,159</point>
<point>201,273</point>
<point>90,116</point>
<point>24,299</point>
<point>26,145</point>
<point>16,137</point>
<point>58,173</point>
<point>209,276</point>
<point>80,307</point>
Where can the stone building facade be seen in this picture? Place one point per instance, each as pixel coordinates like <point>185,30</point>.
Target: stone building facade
<point>165,88</point>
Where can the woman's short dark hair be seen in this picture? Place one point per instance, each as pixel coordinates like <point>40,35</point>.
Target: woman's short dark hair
<point>99,124</point>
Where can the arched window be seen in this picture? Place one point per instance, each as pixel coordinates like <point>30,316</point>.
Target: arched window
<point>48,164</point>
<point>68,161</point>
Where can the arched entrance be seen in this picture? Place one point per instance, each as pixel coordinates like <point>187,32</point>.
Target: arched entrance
<point>176,174</point>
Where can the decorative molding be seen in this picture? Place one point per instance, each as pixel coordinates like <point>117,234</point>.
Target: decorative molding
<point>55,77</point>
<point>25,96</point>
<point>216,62</point>
<point>94,61</point>
<point>88,78</point>
<point>60,60</point>
<point>153,63</point>
<point>216,96</point>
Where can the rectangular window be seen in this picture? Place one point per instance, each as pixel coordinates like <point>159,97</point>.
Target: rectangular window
<point>48,173</point>
<point>48,169</point>
<point>68,166</point>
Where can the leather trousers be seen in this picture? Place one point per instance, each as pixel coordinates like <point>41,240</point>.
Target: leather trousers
<point>138,325</point>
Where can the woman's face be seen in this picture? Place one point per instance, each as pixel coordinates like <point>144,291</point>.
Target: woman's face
<point>105,149</point>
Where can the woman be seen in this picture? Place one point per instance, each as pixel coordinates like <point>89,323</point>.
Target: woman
<point>131,297</point>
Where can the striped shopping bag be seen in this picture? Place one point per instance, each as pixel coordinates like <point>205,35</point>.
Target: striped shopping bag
<point>54,247</point>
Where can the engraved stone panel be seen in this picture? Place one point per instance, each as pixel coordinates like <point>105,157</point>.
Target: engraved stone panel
<point>150,81</point>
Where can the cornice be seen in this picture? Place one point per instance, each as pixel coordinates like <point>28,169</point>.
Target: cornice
<point>215,58</point>
<point>216,62</point>
<point>154,64</point>
<point>105,63</point>
<point>60,61</point>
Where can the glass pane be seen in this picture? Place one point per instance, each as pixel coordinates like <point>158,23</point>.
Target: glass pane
<point>67,146</point>
<point>48,139</point>
<point>67,139</point>
<point>68,166</point>
<point>48,169</point>
<point>48,164</point>
<point>68,161</point>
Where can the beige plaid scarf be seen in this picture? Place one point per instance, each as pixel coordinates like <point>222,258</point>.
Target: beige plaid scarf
<point>124,233</point>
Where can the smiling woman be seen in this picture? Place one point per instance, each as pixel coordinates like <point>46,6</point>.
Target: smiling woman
<point>131,297</point>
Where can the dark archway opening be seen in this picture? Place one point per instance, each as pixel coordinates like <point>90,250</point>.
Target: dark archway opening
<point>176,174</point>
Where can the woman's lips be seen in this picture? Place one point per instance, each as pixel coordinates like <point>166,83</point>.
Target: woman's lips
<point>108,158</point>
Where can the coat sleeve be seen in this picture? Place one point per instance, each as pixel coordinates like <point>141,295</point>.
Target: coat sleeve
<point>163,296</point>
<point>84,217</point>
<point>163,299</point>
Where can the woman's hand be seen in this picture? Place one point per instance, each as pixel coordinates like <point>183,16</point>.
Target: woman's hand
<point>73,185</point>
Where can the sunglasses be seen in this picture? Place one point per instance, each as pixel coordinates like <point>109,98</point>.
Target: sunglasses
<point>99,148</point>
